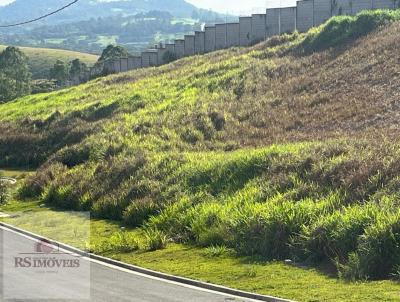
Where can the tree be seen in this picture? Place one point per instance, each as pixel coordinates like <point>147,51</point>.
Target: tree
<point>77,70</point>
<point>15,77</point>
<point>112,52</point>
<point>59,72</point>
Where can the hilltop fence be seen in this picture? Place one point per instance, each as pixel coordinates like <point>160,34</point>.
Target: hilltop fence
<point>248,31</point>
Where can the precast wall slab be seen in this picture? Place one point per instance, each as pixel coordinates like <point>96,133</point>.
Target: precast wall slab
<point>341,7</point>
<point>145,59</point>
<point>245,31</point>
<point>220,36</point>
<point>287,20</point>
<point>116,66</point>
<point>273,22</point>
<point>360,5</point>
<point>170,48</point>
<point>209,38</point>
<point>232,34</point>
<point>305,15</point>
<point>199,42</point>
<point>124,64</point>
<point>179,48</point>
<point>153,58</point>
<point>189,45</point>
<point>258,28</point>
<point>383,4</point>
<point>322,11</point>
<point>134,63</point>
<point>160,55</point>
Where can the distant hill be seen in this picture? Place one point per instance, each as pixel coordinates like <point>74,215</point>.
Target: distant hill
<point>42,59</point>
<point>90,25</point>
<point>86,9</point>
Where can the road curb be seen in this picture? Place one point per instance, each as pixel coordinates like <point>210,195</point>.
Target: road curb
<point>182,280</point>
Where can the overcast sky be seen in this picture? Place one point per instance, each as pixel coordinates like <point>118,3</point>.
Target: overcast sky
<point>230,6</point>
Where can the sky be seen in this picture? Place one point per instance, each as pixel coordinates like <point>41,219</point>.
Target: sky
<point>229,6</point>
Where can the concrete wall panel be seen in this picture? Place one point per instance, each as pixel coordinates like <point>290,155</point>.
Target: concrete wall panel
<point>170,47</point>
<point>154,58</point>
<point>360,5</point>
<point>179,48</point>
<point>220,36</point>
<point>272,22</point>
<point>199,42</point>
<point>189,45</point>
<point>341,7</point>
<point>145,59</point>
<point>160,56</point>
<point>134,63</point>
<point>116,66</point>
<point>322,11</point>
<point>124,64</point>
<point>305,15</point>
<point>245,31</point>
<point>258,27</point>
<point>209,38</point>
<point>288,20</point>
<point>232,34</point>
<point>383,4</point>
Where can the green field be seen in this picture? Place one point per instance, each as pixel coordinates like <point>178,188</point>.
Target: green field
<point>42,59</point>
<point>285,150</point>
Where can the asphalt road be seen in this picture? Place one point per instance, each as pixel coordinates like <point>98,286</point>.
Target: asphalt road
<point>91,281</point>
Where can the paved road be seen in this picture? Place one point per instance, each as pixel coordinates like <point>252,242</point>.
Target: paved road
<point>107,283</point>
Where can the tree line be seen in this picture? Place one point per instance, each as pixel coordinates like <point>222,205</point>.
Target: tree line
<point>16,80</point>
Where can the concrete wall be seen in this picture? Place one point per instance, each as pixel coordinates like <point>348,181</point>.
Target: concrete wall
<point>145,59</point>
<point>189,45</point>
<point>245,31</point>
<point>288,20</point>
<point>149,58</point>
<point>209,38</point>
<point>305,15</point>
<point>272,22</point>
<point>258,27</point>
<point>134,63</point>
<point>179,48</point>
<point>170,47</point>
<point>160,55</point>
<point>116,66</point>
<point>360,5</point>
<point>220,36</point>
<point>383,4</point>
<point>322,11</point>
<point>232,34</point>
<point>341,7</point>
<point>124,64</point>
<point>199,42</point>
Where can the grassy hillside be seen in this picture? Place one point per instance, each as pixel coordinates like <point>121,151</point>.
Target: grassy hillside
<point>42,59</point>
<point>285,150</point>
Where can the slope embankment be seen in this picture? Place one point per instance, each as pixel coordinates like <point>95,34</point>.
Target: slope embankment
<point>286,149</point>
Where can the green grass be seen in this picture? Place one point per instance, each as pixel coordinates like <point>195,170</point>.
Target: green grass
<point>42,59</point>
<point>246,273</point>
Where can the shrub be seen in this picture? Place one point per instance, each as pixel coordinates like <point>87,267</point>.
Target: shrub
<point>335,236</point>
<point>378,254</point>
<point>139,211</point>
<point>155,239</point>
<point>217,251</point>
<point>4,192</point>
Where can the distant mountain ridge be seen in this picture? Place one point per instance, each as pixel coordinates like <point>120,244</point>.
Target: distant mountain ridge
<point>20,10</point>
